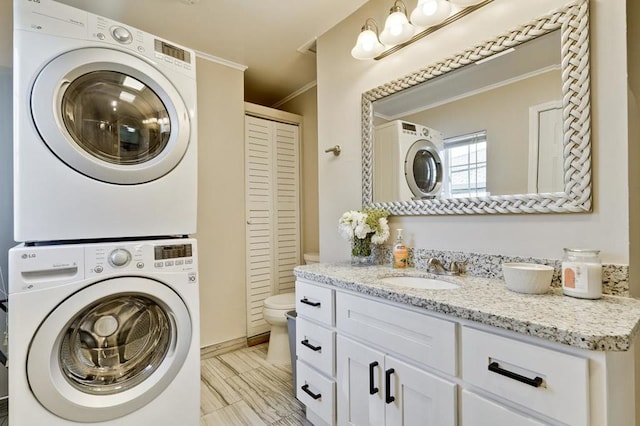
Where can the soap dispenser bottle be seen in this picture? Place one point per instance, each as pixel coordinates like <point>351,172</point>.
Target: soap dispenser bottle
<point>400,252</point>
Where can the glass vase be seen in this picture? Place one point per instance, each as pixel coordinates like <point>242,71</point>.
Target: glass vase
<point>362,252</point>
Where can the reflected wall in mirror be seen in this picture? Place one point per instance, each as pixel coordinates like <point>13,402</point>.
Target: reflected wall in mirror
<point>510,120</point>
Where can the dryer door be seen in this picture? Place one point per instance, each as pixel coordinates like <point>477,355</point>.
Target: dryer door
<point>110,116</point>
<point>109,349</point>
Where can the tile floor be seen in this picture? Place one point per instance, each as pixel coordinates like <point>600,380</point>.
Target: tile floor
<point>240,388</point>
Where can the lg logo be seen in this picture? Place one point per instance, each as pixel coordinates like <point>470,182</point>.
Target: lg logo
<point>28,255</point>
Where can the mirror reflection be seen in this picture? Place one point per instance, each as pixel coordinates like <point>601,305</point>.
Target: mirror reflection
<point>493,127</point>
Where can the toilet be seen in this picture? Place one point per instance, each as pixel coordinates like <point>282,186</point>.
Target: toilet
<point>310,258</point>
<point>273,311</point>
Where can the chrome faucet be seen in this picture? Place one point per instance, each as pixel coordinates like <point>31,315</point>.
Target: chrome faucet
<point>436,267</point>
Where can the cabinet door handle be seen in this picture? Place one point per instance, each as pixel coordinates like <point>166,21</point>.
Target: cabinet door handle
<point>372,389</point>
<point>535,382</point>
<point>387,384</point>
<point>311,394</point>
<point>310,303</point>
<point>306,343</point>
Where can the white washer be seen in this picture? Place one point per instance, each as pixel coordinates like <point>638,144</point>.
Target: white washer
<point>106,334</point>
<point>408,162</point>
<point>104,128</point>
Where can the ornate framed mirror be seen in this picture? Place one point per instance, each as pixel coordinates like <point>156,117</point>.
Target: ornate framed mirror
<point>560,183</point>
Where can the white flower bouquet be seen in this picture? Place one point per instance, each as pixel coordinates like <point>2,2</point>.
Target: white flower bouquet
<point>363,228</point>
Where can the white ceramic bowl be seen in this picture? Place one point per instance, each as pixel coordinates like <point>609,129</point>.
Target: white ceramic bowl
<point>529,278</point>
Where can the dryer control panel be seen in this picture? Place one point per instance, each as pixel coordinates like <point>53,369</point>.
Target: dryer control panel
<point>58,19</point>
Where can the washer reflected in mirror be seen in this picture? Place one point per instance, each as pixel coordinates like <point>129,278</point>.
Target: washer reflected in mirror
<point>424,169</point>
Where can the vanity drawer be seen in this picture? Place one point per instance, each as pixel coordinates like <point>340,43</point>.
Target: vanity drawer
<point>314,302</point>
<point>477,411</point>
<point>422,338</point>
<point>316,345</point>
<point>550,382</point>
<point>316,392</point>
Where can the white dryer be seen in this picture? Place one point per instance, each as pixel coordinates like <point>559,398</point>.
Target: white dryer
<point>408,162</point>
<point>105,138</point>
<point>106,334</point>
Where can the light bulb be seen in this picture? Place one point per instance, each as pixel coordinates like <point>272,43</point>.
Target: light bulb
<point>430,12</point>
<point>465,3</point>
<point>368,40</point>
<point>429,7</point>
<point>397,29</point>
<point>367,46</point>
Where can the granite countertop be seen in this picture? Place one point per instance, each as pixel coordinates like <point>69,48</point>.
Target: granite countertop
<point>607,324</point>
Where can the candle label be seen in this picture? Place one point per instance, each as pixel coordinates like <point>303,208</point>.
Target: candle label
<point>575,275</point>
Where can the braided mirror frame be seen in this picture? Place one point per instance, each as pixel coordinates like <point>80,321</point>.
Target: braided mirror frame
<point>573,22</point>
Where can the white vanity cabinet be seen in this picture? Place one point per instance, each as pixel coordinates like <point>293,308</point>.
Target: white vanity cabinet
<point>380,362</point>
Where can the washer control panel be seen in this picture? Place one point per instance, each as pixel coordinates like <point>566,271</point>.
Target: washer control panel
<point>158,255</point>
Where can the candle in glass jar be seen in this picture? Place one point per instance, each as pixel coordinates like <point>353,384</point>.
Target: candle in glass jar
<point>582,273</point>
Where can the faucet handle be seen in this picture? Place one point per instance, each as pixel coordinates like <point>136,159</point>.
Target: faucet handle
<point>435,265</point>
<point>458,267</point>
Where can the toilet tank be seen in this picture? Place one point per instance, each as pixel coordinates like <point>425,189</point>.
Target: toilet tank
<point>310,258</point>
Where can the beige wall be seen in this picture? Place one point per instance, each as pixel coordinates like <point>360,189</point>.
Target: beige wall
<point>504,113</point>
<point>6,33</point>
<point>342,79</point>
<point>633,47</point>
<point>221,223</point>
<point>306,105</point>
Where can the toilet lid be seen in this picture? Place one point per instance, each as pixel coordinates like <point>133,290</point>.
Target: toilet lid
<point>281,301</point>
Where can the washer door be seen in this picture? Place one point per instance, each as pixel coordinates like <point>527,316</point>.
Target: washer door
<point>110,116</point>
<point>109,349</point>
<point>423,169</point>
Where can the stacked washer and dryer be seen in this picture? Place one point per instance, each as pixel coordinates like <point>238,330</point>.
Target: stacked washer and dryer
<point>103,291</point>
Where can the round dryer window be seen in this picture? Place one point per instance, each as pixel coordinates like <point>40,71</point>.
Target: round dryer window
<point>115,117</point>
<point>110,116</point>
<point>423,169</point>
<point>109,349</point>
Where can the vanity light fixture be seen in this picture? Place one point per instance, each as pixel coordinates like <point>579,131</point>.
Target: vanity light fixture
<point>397,28</point>
<point>399,31</point>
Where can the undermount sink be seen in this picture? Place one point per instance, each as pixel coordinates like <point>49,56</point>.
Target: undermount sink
<point>420,282</point>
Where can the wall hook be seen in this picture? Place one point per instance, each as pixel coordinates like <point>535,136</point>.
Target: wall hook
<point>336,150</point>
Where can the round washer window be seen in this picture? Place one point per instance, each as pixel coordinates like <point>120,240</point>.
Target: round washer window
<point>114,344</point>
<point>115,117</point>
<point>424,169</point>
<point>106,351</point>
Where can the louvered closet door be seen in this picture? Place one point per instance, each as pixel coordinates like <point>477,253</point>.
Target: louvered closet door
<point>287,206</point>
<point>272,200</point>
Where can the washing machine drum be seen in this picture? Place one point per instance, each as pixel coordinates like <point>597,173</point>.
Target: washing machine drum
<point>111,116</point>
<point>424,169</point>
<point>108,350</point>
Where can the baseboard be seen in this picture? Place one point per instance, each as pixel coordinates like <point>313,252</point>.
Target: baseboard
<point>258,340</point>
<point>223,347</point>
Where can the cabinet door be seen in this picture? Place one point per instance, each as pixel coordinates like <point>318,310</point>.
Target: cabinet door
<point>360,386</point>
<point>477,411</point>
<point>419,398</point>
